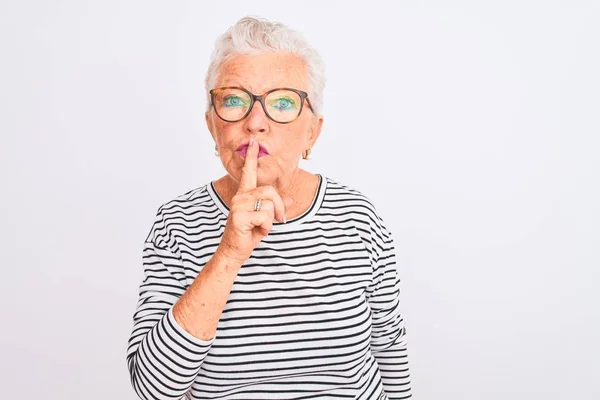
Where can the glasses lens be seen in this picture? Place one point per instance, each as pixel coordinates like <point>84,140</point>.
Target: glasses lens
<point>283,105</point>
<point>231,104</point>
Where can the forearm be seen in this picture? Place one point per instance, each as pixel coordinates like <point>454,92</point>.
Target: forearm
<point>394,369</point>
<point>165,363</point>
<point>166,350</point>
<point>199,309</point>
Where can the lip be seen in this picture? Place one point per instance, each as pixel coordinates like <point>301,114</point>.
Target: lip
<point>243,148</point>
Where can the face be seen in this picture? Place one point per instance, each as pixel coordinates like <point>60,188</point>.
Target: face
<point>284,143</point>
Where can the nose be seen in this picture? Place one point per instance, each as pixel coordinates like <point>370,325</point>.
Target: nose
<point>257,120</point>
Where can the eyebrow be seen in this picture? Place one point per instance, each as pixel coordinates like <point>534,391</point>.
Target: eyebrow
<point>229,84</point>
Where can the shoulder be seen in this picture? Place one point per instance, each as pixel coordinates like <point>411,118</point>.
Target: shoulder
<point>341,195</point>
<point>363,212</point>
<point>175,211</point>
<point>195,197</point>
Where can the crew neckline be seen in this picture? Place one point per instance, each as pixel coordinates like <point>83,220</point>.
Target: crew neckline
<point>305,216</point>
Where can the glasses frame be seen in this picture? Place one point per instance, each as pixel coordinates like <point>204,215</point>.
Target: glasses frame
<point>261,99</point>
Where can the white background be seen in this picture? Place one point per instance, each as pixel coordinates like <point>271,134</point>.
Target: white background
<point>473,128</point>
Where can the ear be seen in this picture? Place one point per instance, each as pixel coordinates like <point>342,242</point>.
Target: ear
<point>210,125</point>
<point>315,130</point>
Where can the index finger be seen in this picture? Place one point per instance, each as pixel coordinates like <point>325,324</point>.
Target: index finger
<point>248,180</point>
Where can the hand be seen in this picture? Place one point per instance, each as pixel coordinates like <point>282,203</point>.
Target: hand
<point>245,227</point>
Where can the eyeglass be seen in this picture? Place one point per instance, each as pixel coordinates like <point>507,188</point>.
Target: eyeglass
<point>282,105</point>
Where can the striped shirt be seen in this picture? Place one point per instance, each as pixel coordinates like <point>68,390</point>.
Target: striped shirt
<point>313,313</point>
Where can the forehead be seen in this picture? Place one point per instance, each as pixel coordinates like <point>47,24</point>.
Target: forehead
<point>262,72</point>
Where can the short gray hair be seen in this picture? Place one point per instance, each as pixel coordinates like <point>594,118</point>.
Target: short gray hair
<point>252,35</point>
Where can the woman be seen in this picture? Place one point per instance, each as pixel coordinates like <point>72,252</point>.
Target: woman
<point>270,282</point>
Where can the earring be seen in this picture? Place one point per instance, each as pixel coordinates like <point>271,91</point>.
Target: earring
<point>216,151</point>
<point>306,154</point>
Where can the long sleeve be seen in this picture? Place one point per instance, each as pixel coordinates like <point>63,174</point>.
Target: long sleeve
<point>163,359</point>
<point>388,341</point>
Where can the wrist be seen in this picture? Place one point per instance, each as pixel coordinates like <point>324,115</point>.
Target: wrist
<point>223,259</point>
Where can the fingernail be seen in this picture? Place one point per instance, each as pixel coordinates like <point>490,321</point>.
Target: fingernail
<point>284,219</point>
<point>251,140</point>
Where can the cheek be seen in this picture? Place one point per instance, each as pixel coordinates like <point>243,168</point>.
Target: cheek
<point>228,135</point>
<point>290,151</point>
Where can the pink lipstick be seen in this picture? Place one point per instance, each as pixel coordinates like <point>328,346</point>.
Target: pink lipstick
<point>242,149</point>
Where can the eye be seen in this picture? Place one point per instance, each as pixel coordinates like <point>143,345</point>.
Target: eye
<point>233,101</point>
<point>283,104</point>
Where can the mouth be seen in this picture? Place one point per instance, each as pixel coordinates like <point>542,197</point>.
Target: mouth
<point>242,149</point>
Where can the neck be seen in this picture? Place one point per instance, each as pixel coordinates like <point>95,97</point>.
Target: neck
<point>300,185</point>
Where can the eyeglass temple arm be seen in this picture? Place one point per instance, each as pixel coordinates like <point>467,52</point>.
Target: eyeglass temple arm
<point>309,105</point>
